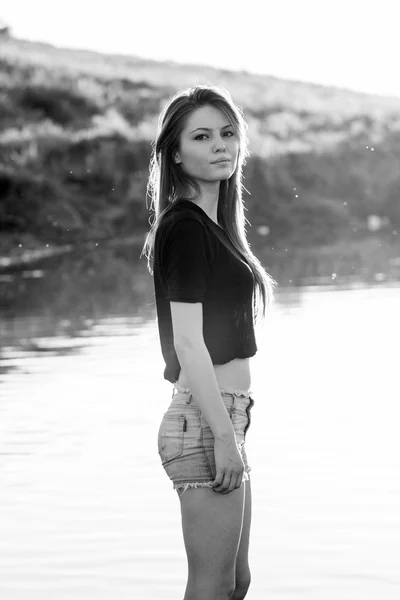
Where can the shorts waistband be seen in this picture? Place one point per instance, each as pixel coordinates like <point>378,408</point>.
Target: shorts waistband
<point>235,392</point>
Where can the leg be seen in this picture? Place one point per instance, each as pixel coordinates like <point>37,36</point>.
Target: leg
<point>212,525</point>
<point>243,576</point>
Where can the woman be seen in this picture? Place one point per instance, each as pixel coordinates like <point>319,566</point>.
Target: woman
<point>207,282</point>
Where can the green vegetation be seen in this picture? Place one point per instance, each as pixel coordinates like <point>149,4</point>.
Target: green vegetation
<point>75,141</point>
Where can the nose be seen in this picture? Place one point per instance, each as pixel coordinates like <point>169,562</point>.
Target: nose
<point>220,145</point>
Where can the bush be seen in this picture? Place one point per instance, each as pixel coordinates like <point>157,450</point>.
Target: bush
<point>63,106</point>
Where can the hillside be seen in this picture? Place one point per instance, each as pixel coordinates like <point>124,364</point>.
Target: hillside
<point>75,135</point>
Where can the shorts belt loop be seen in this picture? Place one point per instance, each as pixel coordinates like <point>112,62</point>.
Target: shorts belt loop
<point>189,398</point>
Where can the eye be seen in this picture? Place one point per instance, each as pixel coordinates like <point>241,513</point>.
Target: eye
<point>204,135</point>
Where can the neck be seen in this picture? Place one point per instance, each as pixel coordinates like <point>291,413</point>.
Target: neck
<point>208,201</point>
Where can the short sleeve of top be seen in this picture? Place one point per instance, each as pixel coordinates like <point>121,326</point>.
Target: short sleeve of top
<point>186,259</point>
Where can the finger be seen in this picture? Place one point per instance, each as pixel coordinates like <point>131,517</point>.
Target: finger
<point>222,486</point>
<point>234,484</point>
<point>226,484</point>
<point>218,480</point>
<point>216,485</point>
<point>239,481</point>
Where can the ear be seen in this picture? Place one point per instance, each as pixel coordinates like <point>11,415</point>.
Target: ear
<point>176,158</point>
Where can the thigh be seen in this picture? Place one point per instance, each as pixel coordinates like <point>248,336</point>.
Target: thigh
<point>212,525</point>
<point>242,559</point>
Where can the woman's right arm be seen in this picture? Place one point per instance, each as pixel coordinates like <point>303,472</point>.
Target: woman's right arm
<point>195,361</point>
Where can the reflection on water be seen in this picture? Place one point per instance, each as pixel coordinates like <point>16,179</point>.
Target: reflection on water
<point>86,510</point>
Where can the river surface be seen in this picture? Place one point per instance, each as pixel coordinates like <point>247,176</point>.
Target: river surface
<point>88,513</point>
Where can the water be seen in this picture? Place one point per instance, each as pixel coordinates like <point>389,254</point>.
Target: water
<point>87,512</point>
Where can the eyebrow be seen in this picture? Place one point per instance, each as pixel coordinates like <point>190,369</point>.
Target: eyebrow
<point>208,129</point>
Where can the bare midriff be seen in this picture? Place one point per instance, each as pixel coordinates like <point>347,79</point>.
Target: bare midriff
<point>234,374</point>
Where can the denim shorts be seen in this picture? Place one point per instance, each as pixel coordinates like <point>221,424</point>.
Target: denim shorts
<point>186,442</point>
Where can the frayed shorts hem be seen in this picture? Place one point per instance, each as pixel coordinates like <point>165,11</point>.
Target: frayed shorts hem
<point>181,488</point>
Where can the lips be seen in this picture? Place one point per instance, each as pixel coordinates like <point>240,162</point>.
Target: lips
<point>224,160</point>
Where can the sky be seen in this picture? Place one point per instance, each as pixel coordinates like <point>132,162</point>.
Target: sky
<point>344,43</point>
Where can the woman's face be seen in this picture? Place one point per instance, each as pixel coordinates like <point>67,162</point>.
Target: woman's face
<point>207,137</point>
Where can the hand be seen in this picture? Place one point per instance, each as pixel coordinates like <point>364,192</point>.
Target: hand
<point>229,465</point>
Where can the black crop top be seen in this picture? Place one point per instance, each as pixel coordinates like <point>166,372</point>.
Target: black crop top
<point>194,261</point>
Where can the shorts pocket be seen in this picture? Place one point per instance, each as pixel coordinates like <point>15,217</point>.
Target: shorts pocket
<point>170,437</point>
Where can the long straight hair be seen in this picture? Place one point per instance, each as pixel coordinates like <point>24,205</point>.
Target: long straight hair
<point>168,182</point>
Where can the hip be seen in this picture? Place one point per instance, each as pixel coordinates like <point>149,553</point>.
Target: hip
<point>183,422</point>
